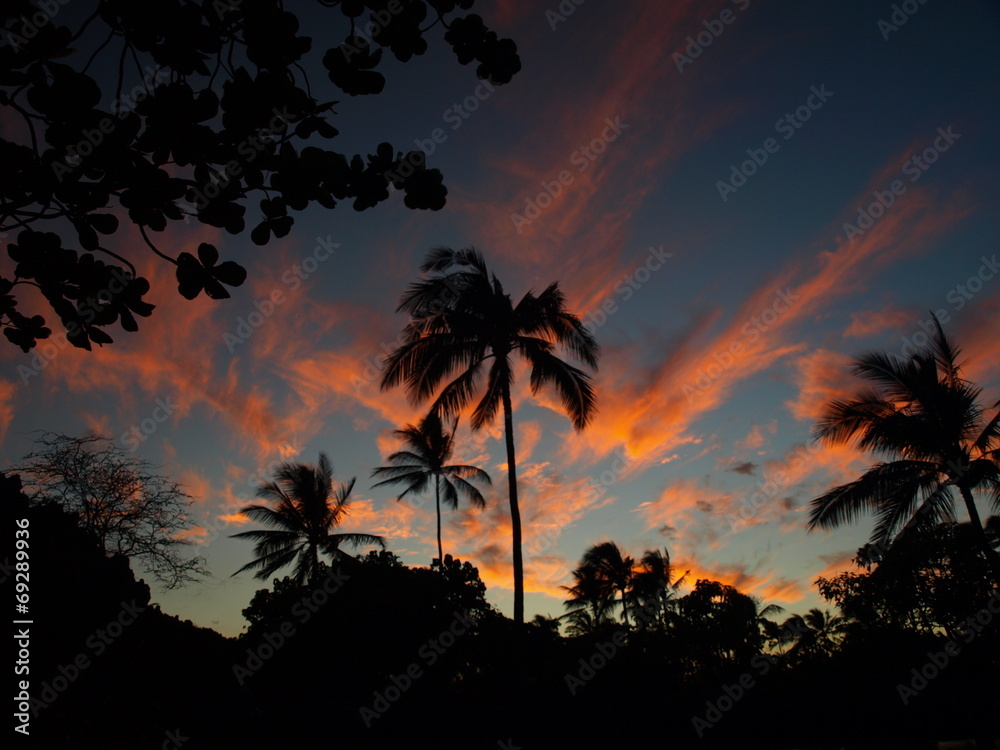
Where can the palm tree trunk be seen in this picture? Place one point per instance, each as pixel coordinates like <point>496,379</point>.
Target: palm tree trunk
<point>624,610</point>
<point>314,563</point>
<point>515,512</point>
<point>992,556</point>
<point>437,500</point>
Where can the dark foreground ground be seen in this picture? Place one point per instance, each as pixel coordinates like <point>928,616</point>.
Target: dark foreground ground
<point>386,657</point>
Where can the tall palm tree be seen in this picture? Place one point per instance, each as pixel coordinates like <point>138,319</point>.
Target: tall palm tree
<point>463,324</point>
<point>926,419</point>
<point>306,507</point>
<point>430,447</point>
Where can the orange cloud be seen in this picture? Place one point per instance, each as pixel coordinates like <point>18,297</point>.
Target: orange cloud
<point>841,562</point>
<point>768,587</point>
<point>8,390</point>
<point>821,376</point>
<point>756,438</point>
<point>871,322</point>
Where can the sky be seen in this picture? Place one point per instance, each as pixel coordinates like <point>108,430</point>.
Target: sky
<point>736,197</point>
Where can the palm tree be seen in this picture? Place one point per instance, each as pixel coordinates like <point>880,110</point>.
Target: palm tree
<point>462,322</point>
<point>817,633</point>
<point>654,587</point>
<point>924,417</point>
<point>613,571</point>
<point>430,447</point>
<point>307,507</point>
<point>588,601</point>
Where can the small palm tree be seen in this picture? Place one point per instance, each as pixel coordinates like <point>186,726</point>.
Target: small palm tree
<point>614,571</point>
<point>603,575</point>
<point>306,507</point>
<point>654,587</point>
<point>817,633</point>
<point>924,417</point>
<point>430,447</point>
<point>588,601</point>
<point>464,325</point>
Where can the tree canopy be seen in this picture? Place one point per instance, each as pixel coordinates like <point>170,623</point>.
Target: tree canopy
<point>119,499</point>
<point>155,113</point>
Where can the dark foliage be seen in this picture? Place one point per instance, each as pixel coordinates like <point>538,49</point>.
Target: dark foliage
<point>173,110</point>
<point>369,664</point>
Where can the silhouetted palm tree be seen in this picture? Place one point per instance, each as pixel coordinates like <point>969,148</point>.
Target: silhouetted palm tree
<point>817,633</point>
<point>462,322</point>
<point>613,569</point>
<point>430,448</point>
<point>654,586</point>
<point>306,507</point>
<point>926,418</point>
<point>588,601</point>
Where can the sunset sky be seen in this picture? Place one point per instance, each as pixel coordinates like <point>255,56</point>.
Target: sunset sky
<point>727,309</point>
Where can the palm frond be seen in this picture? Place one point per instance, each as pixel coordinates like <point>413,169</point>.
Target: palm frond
<point>845,503</point>
<point>498,382</point>
<point>471,492</point>
<point>572,385</point>
<point>333,541</point>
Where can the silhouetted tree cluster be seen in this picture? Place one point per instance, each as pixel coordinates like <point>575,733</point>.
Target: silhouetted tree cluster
<point>107,668</point>
<point>385,655</point>
<point>922,414</point>
<point>119,498</point>
<point>464,327</point>
<point>367,651</point>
